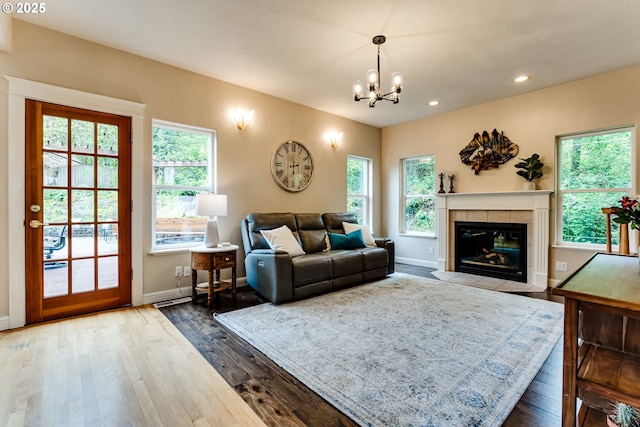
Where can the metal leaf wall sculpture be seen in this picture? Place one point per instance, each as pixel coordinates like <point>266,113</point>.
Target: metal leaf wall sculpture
<point>488,150</point>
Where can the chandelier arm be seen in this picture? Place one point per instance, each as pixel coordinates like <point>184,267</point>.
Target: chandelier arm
<point>387,94</point>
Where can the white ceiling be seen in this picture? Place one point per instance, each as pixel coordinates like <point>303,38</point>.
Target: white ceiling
<point>461,52</point>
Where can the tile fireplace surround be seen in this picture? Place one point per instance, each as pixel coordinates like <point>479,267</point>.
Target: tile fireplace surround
<point>528,207</point>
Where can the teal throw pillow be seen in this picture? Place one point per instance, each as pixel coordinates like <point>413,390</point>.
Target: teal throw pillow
<point>352,240</point>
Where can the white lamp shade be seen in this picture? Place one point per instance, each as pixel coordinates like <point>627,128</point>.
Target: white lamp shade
<point>211,204</point>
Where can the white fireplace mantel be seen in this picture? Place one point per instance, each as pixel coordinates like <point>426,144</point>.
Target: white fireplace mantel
<point>537,202</point>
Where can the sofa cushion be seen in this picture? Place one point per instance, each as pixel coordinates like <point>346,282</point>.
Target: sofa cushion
<point>309,221</point>
<point>333,221</point>
<point>352,240</point>
<point>310,268</point>
<point>267,221</point>
<point>367,236</point>
<point>313,240</point>
<point>345,262</point>
<point>281,239</point>
<point>312,232</point>
<point>373,258</point>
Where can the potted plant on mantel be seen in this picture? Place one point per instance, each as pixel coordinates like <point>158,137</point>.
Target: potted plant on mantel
<point>623,415</point>
<point>531,169</point>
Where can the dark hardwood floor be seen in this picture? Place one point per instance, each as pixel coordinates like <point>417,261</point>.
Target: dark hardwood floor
<point>281,400</point>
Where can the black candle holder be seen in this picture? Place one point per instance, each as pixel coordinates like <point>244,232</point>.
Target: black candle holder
<point>441,176</point>
<point>451,183</point>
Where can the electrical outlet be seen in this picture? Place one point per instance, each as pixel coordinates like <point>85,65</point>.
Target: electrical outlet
<point>178,271</point>
<point>561,266</point>
<point>186,271</point>
<point>431,250</point>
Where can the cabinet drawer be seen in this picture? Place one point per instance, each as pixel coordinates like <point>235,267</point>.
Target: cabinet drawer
<point>224,261</point>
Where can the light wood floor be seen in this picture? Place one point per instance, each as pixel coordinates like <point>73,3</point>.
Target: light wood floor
<point>116,368</point>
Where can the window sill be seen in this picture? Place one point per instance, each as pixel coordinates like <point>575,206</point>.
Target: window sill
<point>170,251</point>
<point>417,234</point>
<point>594,248</point>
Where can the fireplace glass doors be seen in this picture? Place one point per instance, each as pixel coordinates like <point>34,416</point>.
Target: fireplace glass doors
<point>491,249</point>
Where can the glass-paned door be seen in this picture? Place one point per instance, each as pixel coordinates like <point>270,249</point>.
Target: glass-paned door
<point>78,198</point>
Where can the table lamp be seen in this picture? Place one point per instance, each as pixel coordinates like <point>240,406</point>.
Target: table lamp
<point>211,205</point>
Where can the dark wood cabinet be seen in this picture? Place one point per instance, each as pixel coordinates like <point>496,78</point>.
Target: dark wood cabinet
<point>601,361</point>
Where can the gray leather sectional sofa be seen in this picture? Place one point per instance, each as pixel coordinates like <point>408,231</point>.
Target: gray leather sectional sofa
<point>279,277</point>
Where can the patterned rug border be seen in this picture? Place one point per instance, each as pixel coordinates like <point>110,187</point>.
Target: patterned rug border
<point>497,410</point>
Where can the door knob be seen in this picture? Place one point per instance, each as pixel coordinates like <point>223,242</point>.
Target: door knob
<point>34,223</point>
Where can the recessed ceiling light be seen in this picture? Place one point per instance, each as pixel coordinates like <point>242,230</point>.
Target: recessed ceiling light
<point>434,103</point>
<point>521,79</point>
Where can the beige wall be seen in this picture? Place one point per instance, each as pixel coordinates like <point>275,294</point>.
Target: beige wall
<point>176,95</point>
<point>532,121</point>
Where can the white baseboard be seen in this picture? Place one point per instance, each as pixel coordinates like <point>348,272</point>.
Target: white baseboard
<point>176,293</point>
<point>417,262</point>
<point>4,323</point>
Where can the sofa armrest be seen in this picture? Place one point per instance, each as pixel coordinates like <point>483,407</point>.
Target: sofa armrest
<point>269,272</point>
<point>383,242</point>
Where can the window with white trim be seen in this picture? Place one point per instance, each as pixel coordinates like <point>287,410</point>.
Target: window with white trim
<point>594,172</point>
<point>359,188</point>
<point>183,166</point>
<point>418,195</point>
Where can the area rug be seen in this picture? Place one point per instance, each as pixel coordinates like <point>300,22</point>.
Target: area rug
<point>409,351</point>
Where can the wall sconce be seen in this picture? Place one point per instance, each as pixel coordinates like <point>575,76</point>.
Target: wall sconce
<point>334,138</point>
<point>242,118</point>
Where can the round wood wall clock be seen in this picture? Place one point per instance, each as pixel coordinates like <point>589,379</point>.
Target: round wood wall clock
<point>292,166</point>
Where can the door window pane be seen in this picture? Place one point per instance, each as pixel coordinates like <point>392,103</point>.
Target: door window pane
<point>82,206</point>
<point>107,205</point>
<point>82,240</point>
<point>55,205</point>
<point>83,275</point>
<point>54,242</point>
<point>107,239</point>
<point>55,132</point>
<point>107,139</point>
<point>56,275</point>
<point>107,172</point>
<point>82,137</point>
<point>82,171</point>
<point>55,169</point>
<point>108,272</point>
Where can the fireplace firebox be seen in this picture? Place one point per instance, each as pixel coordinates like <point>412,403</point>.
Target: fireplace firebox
<point>491,249</point>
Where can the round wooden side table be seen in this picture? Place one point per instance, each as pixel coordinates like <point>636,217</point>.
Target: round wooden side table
<point>213,260</point>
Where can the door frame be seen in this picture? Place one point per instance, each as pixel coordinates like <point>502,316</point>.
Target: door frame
<point>19,91</point>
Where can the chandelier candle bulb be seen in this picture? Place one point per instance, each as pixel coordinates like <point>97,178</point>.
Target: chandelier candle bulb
<point>396,82</point>
<point>357,90</point>
<point>372,78</point>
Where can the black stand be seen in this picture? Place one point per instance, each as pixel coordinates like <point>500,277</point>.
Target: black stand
<point>451,184</point>
<point>441,176</point>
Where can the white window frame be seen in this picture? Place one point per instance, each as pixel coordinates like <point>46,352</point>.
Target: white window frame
<point>559,192</point>
<point>211,186</point>
<point>404,197</point>
<point>367,185</point>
